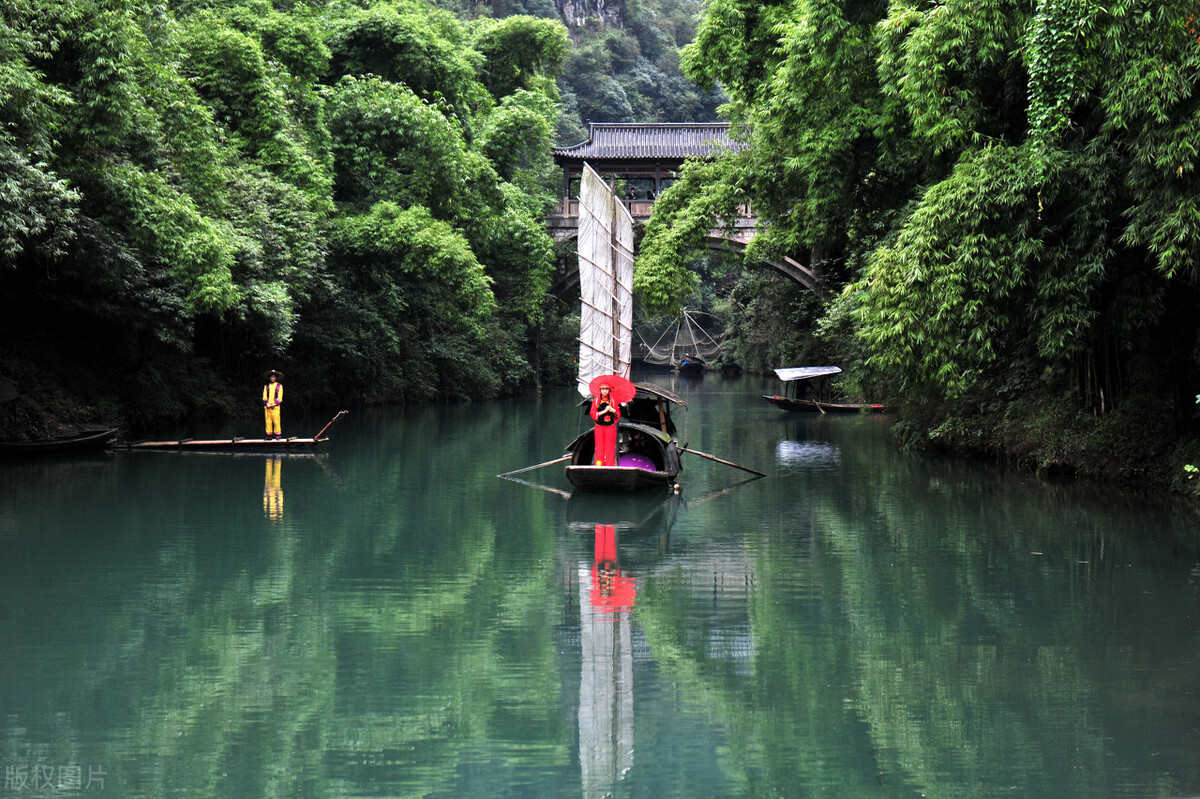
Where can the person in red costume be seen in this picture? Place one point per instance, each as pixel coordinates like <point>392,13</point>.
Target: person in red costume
<point>606,413</point>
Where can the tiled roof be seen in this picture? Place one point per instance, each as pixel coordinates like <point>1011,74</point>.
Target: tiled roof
<point>673,140</point>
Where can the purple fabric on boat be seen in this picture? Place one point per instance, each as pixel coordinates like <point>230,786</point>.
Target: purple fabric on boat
<point>638,461</point>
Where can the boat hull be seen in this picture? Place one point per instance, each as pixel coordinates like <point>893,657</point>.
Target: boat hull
<point>221,444</point>
<point>657,452</point>
<point>813,406</point>
<point>93,439</point>
<point>616,479</point>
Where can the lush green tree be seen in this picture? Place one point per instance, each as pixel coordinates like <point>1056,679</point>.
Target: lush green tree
<point>37,206</point>
<point>408,43</point>
<point>409,317</point>
<point>1003,188</point>
<point>389,144</point>
<point>518,52</point>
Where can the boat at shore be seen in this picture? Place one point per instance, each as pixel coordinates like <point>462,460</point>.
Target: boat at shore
<point>87,440</point>
<point>685,345</point>
<point>816,406</point>
<point>792,402</point>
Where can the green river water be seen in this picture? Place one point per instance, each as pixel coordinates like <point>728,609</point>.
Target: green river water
<point>387,618</point>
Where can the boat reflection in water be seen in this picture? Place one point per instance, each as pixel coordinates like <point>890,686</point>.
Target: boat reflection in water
<point>639,526</point>
<point>797,455</point>
<point>273,489</point>
<point>606,599</point>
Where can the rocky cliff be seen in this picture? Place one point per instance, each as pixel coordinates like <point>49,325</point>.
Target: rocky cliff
<point>592,13</point>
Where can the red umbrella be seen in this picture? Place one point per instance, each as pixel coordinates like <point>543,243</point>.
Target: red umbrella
<point>621,389</point>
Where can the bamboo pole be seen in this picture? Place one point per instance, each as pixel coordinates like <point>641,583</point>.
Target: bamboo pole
<point>719,460</point>
<point>535,466</point>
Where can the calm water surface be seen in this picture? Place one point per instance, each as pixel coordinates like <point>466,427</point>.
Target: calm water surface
<point>387,618</point>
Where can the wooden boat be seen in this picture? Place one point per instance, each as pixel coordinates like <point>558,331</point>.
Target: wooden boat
<point>816,406</point>
<point>647,452</point>
<point>791,402</point>
<point>265,444</point>
<point>87,440</point>
<point>238,443</point>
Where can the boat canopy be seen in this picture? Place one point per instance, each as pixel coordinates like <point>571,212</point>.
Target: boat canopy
<point>655,391</point>
<point>802,372</point>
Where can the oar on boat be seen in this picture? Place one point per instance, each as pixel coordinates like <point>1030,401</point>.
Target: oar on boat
<point>339,415</point>
<point>535,466</point>
<point>719,460</point>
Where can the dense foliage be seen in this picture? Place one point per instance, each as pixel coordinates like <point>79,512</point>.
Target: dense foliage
<point>1005,191</point>
<point>624,62</point>
<point>194,191</point>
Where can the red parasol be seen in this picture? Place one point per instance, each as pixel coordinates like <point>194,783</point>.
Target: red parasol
<point>621,389</point>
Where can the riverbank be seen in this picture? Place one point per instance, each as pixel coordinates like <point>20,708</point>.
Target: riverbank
<point>1142,442</point>
<point>1137,443</point>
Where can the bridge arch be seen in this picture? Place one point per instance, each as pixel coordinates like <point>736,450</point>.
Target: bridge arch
<point>645,157</point>
<point>566,281</point>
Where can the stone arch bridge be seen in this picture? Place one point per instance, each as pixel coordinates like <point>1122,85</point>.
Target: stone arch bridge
<point>645,158</point>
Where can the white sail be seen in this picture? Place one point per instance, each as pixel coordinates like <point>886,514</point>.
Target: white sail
<point>605,281</point>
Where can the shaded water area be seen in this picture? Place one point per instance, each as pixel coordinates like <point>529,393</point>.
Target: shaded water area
<point>388,618</point>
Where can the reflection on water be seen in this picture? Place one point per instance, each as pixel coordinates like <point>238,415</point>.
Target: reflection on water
<point>606,599</point>
<point>861,622</point>
<point>273,488</point>
<point>806,455</point>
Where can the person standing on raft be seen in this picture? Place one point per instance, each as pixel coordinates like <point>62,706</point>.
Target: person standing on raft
<point>606,414</point>
<point>272,398</point>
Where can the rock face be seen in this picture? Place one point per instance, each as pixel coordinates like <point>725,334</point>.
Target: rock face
<point>597,14</point>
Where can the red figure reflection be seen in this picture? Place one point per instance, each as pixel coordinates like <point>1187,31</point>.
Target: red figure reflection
<point>611,591</point>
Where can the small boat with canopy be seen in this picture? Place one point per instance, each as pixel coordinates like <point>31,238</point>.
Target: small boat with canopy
<point>792,401</point>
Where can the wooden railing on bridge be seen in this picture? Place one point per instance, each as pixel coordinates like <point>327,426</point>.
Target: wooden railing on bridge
<point>563,222</point>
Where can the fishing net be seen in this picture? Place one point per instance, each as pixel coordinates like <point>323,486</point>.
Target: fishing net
<point>685,338</point>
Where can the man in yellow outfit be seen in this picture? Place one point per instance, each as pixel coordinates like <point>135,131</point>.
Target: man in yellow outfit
<point>272,399</point>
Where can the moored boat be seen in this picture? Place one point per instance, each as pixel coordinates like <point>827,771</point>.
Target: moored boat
<point>792,402</point>
<point>816,406</point>
<point>86,440</point>
<point>685,345</point>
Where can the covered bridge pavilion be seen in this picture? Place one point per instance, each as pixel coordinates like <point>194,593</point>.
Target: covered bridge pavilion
<point>645,156</point>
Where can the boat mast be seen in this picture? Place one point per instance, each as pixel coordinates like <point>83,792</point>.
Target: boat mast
<point>614,308</point>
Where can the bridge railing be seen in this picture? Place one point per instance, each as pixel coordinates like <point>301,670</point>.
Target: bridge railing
<point>568,208</point>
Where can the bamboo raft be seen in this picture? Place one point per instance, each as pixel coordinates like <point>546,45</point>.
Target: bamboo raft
<point>259,444</point>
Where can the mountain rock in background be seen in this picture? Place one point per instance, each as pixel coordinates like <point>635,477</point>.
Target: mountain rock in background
<point>597,14</point>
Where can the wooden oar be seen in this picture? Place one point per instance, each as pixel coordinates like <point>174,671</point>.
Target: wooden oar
<point>535,466</point>
<point>339,415</point>
<point>718,460</point>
